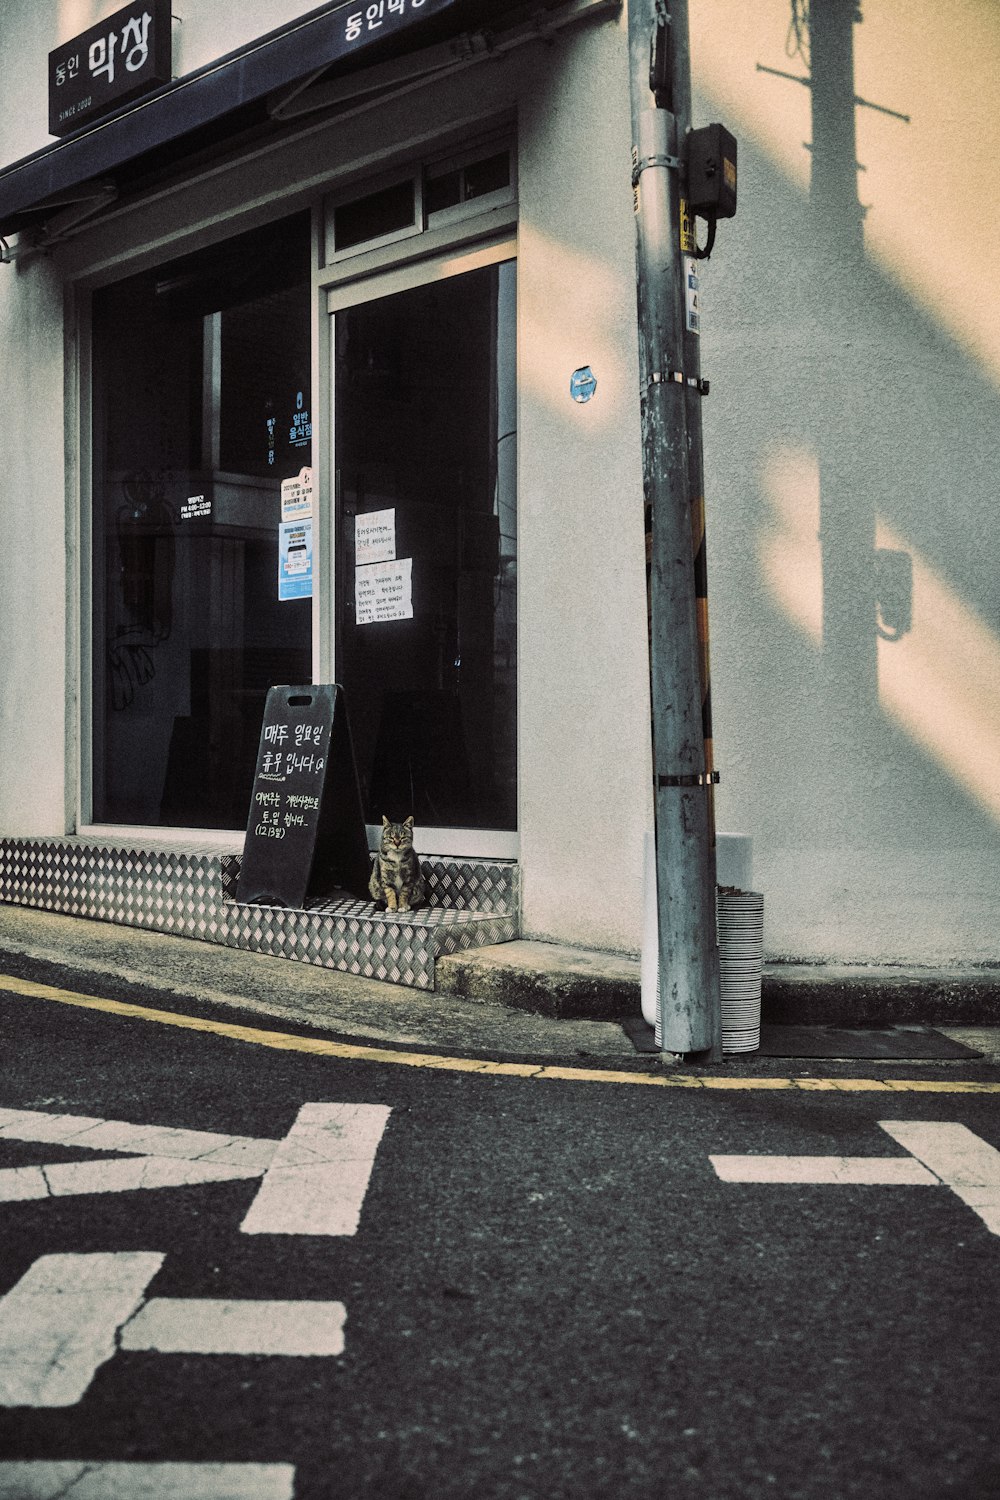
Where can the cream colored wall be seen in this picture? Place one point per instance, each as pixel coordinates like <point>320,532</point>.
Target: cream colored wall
<point>865,404</point>
<point>35,714</point>
<point>204,31</point>
<point>585,759</point>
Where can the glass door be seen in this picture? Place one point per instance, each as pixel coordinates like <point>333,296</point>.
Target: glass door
<point>425,551</point>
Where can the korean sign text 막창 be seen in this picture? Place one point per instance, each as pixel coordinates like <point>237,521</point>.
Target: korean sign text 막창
<point>109,65</point>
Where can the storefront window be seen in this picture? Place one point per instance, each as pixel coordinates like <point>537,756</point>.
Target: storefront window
<point>202,407</point>
<point>425,452</point>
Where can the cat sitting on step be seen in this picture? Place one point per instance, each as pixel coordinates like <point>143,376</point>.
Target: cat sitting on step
<point>396,882</point>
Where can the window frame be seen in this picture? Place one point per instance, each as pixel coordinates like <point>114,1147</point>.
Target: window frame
<point>481,231</point>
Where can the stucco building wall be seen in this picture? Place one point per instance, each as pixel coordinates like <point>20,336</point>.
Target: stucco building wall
<point>854,408</point>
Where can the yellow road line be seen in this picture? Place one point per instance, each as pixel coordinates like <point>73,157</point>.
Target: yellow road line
<point>284,1041</point>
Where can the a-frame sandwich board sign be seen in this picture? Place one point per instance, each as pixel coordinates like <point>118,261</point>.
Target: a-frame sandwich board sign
<point>305,837</point>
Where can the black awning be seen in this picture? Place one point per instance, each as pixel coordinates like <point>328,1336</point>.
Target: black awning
<point>219,102</point>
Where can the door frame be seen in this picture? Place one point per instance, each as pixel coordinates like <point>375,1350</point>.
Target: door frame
<point>353,289</point>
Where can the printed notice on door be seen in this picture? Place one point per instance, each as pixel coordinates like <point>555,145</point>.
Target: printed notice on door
<point>297,496</point>
<point>384,591</point>
<point>295,560</point>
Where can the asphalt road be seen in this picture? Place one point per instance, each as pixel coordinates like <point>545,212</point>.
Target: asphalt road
<point>551,1290</point>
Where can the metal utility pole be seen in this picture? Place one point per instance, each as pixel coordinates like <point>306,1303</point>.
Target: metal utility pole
<point>688,1005</point>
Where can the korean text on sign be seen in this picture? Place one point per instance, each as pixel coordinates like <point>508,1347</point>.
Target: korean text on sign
<point>134,47</point>
<point>123,57</point>
<point>129,46</point>
<point>374,15</point>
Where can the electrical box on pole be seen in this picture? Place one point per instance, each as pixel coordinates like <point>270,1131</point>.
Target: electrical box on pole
<point>711,172</point>
<point>688,1003</point>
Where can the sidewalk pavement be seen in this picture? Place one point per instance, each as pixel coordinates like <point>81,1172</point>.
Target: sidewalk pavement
<point>519,999</point>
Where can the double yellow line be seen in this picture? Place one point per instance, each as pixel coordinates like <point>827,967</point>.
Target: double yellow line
<point>285,1041</point>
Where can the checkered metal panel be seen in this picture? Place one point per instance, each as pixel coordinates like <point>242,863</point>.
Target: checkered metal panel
<point>479,885</point>
<point>189,893</point>
<point>487,885</point>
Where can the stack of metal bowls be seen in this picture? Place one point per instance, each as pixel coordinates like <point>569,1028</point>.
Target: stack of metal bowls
<point>741,961</point>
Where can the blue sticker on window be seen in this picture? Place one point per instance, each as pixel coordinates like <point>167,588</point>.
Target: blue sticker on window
<point>582,384</point>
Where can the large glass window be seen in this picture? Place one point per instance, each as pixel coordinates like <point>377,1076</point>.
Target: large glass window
<point>425,450</point>
<point>202,407</point>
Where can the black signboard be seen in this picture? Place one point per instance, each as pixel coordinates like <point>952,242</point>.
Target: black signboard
<point>306,833</point>
<point>125,56</point>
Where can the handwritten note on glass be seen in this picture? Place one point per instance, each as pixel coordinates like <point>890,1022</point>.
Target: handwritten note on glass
<point>375,537</point>
<point>384,591</point>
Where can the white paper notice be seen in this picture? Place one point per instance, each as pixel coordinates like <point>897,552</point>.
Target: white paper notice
<point>297,496</point>
<point>384,591</point>
<point>195,506</point>
<point>375,537</point>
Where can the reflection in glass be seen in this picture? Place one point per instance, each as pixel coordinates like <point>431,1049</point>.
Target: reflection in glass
<point>202,406</point>
<point>425,429</point>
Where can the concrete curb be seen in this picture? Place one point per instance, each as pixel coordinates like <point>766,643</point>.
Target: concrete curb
<point>565,983</point>
<point>512,991</point>
<point>860,996</point>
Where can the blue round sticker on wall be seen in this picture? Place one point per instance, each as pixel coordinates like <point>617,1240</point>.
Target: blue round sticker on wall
<point>582,384</point>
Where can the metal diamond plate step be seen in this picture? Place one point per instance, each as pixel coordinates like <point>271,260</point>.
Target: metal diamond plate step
<point>189,892</point>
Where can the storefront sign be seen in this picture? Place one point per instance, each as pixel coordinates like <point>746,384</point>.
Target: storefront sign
<point>114,62</point>
<point>369,20</point>
<point>384,591</point>
<point>300,427</point>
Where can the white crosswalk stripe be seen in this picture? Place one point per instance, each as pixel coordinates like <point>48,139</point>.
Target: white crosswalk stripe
<point>44,1480</point>
<point>191,1325</point>
<point>59,1323</point>
<point>315,1179</point>
<point>940,1154</point>
<point>96,1134</point>
<point>859,1171</point>
<point>72,1179</point>
<point>69,1313</point>
<point>963,1162</point>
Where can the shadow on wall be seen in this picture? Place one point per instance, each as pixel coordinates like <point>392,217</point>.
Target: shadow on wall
<point>853,450</point>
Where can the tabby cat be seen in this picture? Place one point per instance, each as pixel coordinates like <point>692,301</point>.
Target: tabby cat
<point>396,882</point>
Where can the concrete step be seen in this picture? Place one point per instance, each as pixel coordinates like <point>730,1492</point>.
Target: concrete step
<point>546,978</point>
<point>564,982</point>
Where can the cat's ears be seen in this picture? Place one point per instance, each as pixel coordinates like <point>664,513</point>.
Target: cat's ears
<point>385,821</point>
<point>408,822</point>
